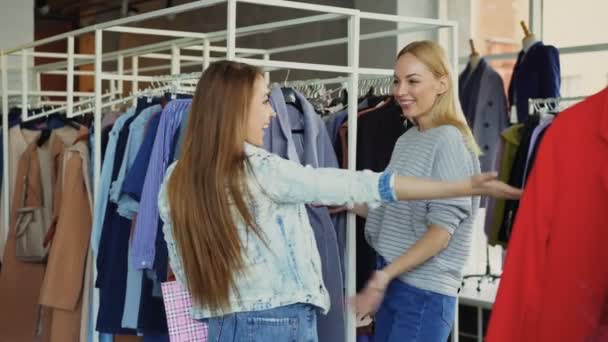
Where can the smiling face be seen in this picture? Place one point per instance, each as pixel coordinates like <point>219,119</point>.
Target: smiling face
<point>416,89</point>
<point>260,113</point>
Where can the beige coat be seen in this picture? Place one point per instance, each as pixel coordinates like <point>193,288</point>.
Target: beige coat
<point>20,282</point>
<point>62,287</point>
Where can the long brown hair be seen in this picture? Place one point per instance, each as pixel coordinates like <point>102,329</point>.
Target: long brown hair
<point>446,110</point>
<point>209,180</point>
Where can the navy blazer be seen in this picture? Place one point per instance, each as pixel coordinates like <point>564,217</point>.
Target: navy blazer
<point>536,75</point>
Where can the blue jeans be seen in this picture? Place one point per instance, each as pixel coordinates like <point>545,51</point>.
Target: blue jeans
<point>293,323</point>
<point>411,314</point>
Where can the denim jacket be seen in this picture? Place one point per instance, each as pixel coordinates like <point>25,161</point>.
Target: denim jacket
<point>287,268</point>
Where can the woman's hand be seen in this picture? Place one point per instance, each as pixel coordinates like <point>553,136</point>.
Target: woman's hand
<point>369,299</point>
<point>486,184</point>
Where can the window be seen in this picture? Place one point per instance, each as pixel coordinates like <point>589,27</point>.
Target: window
<point>494,26</point>
<point>573,23</point>
<point>583,74</point>
<point>571,84</point>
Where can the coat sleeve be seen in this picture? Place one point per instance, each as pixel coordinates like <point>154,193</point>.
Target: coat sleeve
<point>549,73</point>
<point>502,109</point>
<point>520,291</point>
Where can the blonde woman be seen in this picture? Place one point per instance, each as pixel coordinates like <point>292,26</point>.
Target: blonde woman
<point>422,245</point>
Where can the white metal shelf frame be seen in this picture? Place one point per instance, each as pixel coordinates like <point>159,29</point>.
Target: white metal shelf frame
<point>566,50</point>
<point>193,41</point>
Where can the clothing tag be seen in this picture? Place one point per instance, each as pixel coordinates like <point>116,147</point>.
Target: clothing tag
<point>513,118</point>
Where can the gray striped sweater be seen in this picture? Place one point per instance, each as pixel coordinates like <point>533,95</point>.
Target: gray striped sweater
<point>438,153</point>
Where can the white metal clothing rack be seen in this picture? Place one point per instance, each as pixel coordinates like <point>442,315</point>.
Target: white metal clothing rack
<point>197,41</point>
<point>550,104</point>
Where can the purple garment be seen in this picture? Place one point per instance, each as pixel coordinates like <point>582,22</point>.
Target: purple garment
<point>544,122</point>
<point>143,245</point>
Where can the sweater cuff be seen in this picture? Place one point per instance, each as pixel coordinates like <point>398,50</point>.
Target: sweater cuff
<point>386,187</point>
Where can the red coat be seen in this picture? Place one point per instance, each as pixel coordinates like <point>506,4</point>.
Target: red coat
<point>555,281</point>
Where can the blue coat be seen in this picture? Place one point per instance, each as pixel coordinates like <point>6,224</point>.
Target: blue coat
<point>312,147</point>
<point>489,108</point>
<point>536,75</point>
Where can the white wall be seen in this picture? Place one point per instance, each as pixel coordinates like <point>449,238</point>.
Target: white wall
<point>16,28</point>
<point>377,53</point>
<point>383,53</point>
<point>460,11</point>
<point>417,8</point>
<point>585,73</point>
<point>17,20</point>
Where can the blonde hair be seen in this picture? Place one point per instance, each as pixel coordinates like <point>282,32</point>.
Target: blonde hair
<point>446,110</point>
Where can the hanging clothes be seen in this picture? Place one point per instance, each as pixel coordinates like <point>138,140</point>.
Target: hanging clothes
<point>483,100</point>
<point>342,143</point>
<point>553,285</point>
<point>537,138</point>
<point>62,288</point>
<point>181,135</point>
<point>152,318</point>
<point>19,139</point>
<point>334,121</point>
<point>147,224</point>
<point>113,247</point>
<point>14,119</point>
<point>134,182</point>
<point>21,282</point>
<point>516,178</point>
<point>312,147</point>
<point>139,142</point>
<point>536,75</point>
<point>469,83</point>
<point>134,276</point>
<point>378,129</point>
<point>120,286</point>
<point>105,180</point>
<point>511,138</point>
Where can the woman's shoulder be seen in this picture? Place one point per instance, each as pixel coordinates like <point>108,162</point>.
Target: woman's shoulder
<point>170,170</point>
<point>450,139</point>
<point>436,136</point>
<point>448,136</point>
<point>260,159</point>
<point>252,151</point>
<point>448,133</point>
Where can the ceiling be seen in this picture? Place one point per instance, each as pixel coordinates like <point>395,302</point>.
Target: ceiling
<point>72,10</point>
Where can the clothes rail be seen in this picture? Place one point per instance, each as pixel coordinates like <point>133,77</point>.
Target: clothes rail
<point>550,104</point>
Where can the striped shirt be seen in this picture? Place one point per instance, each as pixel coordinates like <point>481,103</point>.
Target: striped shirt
<point>146,227</point>
<point>393,228</point>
